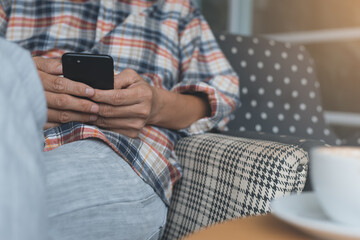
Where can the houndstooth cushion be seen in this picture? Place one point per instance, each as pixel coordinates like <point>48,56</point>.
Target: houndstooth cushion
<point>227,177</point>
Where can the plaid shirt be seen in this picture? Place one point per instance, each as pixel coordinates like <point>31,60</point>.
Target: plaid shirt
<point>167,42</point>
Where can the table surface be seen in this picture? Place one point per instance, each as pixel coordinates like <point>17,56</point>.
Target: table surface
<point>259,227</point>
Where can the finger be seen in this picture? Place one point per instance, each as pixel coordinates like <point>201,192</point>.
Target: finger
<point>59,84</point>
<point>129,111</point>
<point>57,116</point>
<point>50,125</point>
<point>126,78</point>
<point>49,65</point>
<point>120,123</point>
<point>117,97</point>
<point>68,102</point>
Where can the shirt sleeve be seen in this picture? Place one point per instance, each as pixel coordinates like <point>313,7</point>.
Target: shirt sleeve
<point>4,9</point>
<point>205,69</point>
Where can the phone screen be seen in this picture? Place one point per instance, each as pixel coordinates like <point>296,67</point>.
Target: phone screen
<point>94,70</point>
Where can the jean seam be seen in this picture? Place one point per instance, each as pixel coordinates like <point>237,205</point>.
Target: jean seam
<point>106,204</point>
<point>161,228</point>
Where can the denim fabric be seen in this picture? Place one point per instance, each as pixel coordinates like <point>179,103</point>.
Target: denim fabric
<point>94,194</point>
<point>22,116</point>
<point>86,190</point>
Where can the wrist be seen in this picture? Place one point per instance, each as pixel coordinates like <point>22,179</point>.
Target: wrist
<point>157,106</point>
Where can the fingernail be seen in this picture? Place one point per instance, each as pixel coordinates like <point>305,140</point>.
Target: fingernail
<point>89,91</point>
<point>93,118</point>
<point>59,68</point>
<point>94,108</point>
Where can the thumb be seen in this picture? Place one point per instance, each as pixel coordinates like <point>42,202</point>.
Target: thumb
<point>126,78</point>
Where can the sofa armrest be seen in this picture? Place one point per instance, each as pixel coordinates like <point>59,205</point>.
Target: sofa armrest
<point>228,177</point>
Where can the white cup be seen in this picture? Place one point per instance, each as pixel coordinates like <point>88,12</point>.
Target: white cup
<point>335,175</point>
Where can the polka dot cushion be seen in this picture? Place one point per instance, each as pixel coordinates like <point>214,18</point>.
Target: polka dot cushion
<point>353,140</point>
<point>278,88</point>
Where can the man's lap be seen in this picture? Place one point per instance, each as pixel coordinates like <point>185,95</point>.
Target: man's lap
<point>94,194</point>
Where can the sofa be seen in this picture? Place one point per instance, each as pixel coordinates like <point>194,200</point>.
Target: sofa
<point>263,153</point>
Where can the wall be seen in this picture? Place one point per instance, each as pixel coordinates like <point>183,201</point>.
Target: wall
<point>338,63</point>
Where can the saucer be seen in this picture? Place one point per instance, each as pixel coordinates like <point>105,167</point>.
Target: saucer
<point>304,212</point>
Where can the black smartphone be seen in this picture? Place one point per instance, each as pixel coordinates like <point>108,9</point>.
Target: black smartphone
<point>95,70</point>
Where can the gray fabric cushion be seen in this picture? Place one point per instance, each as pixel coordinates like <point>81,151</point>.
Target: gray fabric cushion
<point>227,177</point>
<point>278,87</point>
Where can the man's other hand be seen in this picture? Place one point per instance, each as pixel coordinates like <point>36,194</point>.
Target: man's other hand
<point>129,107</point>
<point>60,92</point>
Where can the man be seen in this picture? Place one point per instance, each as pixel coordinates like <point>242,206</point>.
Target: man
<point>171,81</point>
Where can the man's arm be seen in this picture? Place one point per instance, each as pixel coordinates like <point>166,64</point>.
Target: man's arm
<point>208,89</point>
<point>178,111</point>
<point>126,109</point>
<point>62,105</point>
<point>134,103</point>
<point>205,70</point>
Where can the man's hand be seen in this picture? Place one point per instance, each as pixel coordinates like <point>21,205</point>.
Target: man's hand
<point>134,103</point>
<point>129,107</point>
<point>60,94</point>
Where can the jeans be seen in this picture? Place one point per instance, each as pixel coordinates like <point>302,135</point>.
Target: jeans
<point>81,190</point>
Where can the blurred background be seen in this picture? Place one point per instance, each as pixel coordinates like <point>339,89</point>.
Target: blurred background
<point>329,29</point>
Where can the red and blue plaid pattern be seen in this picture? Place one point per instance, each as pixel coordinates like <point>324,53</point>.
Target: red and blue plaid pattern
<point>168,42</point>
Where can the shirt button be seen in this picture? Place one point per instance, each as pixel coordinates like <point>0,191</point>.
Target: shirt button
<point>300,168</point>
